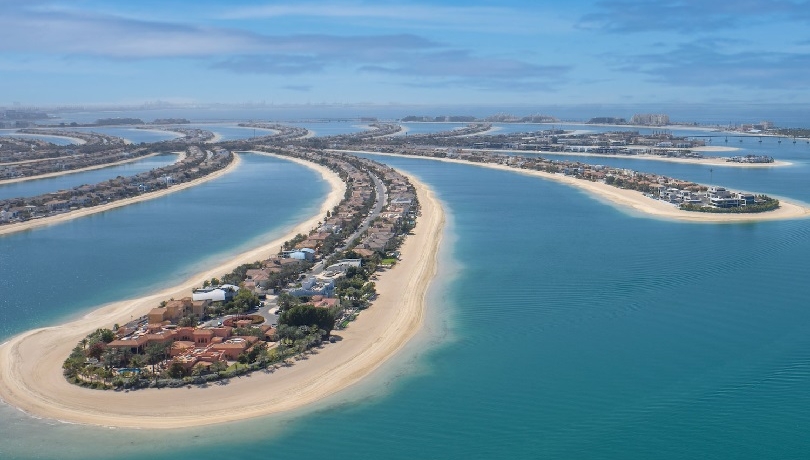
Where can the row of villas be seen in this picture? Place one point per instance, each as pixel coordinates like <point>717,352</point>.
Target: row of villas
<point>282,132</point>
<point>35,156</point>
<point>205,345</point>
<point>71,159</point>
<point>717,197</point>
<point>659,187</point>
<point>397,213</point>
<point>196,164</point>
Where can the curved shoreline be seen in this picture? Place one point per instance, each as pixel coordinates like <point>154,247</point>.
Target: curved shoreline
<point>75,140</point>
<point>83,212</point>
<point>632,199</point>
<point>30,363</point>
<point>72,171</point>
<point>715,161</point>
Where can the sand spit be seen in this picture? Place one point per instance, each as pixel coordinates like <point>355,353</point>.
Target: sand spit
<point>634,200</point>
<point>30,363</point>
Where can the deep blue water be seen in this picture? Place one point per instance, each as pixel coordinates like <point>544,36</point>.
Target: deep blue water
<point>68,181</point>
<point>564,328</point>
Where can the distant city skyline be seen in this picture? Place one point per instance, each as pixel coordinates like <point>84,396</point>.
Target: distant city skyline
<point>442,53</point>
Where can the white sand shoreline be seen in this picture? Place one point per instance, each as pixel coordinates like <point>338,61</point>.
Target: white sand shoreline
<point>630,199</point>
<point>72,171</point>
<point>30,363</point>
<point>699,161</point>
<point>59,218</point>
<point>74,140</point>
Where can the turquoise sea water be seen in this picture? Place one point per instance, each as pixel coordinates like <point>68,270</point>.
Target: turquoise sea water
<point>68,181</point>
<point>560,327</point>
<point>70,267</point>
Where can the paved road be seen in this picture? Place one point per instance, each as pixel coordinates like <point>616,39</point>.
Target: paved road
<point>381,192</point>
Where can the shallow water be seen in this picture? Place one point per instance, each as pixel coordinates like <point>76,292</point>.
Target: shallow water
<point>569,329</point>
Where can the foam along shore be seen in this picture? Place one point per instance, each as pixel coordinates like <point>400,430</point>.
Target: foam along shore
<point>713,161</point>
<point>59,218</point>
<point>30,364</point>
<point>89,168</point>
<point>630,199</point>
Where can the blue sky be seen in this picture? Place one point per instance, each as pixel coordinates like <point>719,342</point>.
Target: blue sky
<point>450,52</point>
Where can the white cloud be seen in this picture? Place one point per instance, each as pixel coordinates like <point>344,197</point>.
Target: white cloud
<point>479,18</point>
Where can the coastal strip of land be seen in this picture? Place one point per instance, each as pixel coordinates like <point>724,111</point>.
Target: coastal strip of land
<point>72,171</point>
<point>631,199</point>
<point>30,364</point>
<point>707,161</point>
<point>83,212</point>
<point>73,140</point>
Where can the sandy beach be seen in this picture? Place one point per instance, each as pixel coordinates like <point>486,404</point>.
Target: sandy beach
<point>30,364</point>
<point>72,171</point>
<point>217,137</point>
<point>310,133</point>
<point>629,199</point>
<point>59,218</point>
<point>491,130</point>
<point>73,140</point>
<point>716,161</point>
<point>402,131</point>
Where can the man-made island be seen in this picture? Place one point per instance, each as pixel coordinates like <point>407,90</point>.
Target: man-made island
<point>194,167</point>
<point>31,371</point>
<point>653,194</point>
<point>318,282</point>
<point>205,334</point>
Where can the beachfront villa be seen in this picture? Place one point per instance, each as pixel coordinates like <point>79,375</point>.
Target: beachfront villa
<point>223,293</point>
<point>314,285</point>
<point>187,345</point>
<point>715,197</point>
<point>176,309</point>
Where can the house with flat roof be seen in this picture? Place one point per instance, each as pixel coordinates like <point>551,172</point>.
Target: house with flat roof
<point>223,293</point>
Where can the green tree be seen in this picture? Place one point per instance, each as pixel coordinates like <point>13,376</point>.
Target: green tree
<point>177,371</point>
<point>309,315</point>
<point>244,300</point>
<point>156,352</point>
<point>286,301</point>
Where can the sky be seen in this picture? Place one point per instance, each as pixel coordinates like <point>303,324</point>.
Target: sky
<point>415,52</point>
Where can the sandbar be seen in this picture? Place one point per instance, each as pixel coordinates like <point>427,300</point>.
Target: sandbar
<point>59,218</point>
<point>634,200</point>
<point>30,363</point>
